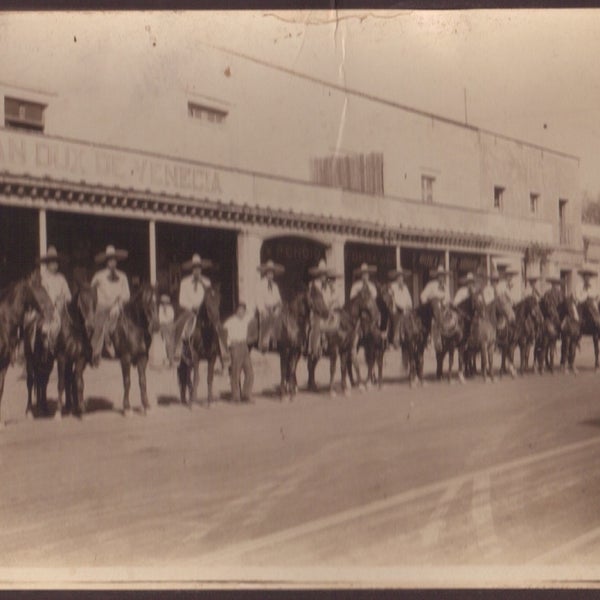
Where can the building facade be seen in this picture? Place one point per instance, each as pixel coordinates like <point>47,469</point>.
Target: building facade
<point>296,170</point>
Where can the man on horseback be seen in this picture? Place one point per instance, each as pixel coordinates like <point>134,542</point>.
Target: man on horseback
<point>268,305</point>
<point>324,306</point>
<point>585,292</point>
<point>508,287</point>
<point>58,291</point>
<point>436,289</point>
<point>402,300</point>
<point>466,291</point>
<point>113,292</point>
<point>533,287</point>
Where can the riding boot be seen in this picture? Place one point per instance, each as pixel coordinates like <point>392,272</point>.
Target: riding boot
<point>436,337</point>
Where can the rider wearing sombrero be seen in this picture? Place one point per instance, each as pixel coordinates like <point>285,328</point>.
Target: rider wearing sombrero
<point>268,304</point>
<point>402,299</point>
<point>113,292</point>
<point>436,289</point>
<point>323,306</point>
<point>586,290</point>
<point>57,288</point>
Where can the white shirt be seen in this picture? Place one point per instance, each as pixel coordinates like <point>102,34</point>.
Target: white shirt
<point>513,293</point>
<point>582,293</point>
<point>56,286</point>
<point>191,293</point>
<point>433,290</point>
<point>461,295</point>
<point>237,329</point>
<point>265,297</point>
<point>358,285</point>
<point>402,298</point>
<point>489,293</point>
<point>166,314</point>
<point>110,292</point>
<point>529,289</point>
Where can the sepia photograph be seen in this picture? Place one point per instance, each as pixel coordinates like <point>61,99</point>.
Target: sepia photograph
<point>299,299</point>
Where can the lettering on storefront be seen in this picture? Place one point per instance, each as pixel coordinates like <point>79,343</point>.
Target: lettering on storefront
<point>36,156</point>
<point>384,257</point>
<point>428,260</point>
<point>293,251</point>
<point>466,263</point>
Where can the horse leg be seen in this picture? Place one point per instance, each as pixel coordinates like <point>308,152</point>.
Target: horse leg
<point>30,380</point>
<point>2,377</point>
<point>61,366</point>
<point>78,387</point>
<point>209,379</point>
<point>439,357</point>
<point>332,364</point>
<point>126,372</point>
<point>195,375</point>
<point>141,368</point>
<point>450,364</point>
<point>182,379</point>
<point>283,359</point>
<point>490,351</point>
<point>345,367</point>
<point>595,340</point>
<point>380,369</point>
<point>312,365</point>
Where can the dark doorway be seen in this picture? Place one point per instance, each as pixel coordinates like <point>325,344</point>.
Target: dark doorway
<point>420,262</point>
<point>80,237</point>
<point>177,243</point>
<point>19,243</point>
<point>383,257</point>
<point>297,255</point>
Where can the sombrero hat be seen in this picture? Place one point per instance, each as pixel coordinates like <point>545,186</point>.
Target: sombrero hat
<point>494,275</point>
<point>365,268</point>
<point>51,256</point>
<point>276,268</point>
<point>331,274</point>
<point>320,269</point>
<point>196,261</point>
<point>468,278</point>
<point>510,271</point>
<point>439,271</point>
<point>553,278</point>
<point>393,274</point>
<point>533,277</point>
<point>587,271</point>
<point>110,252</point>
<point>165,299</point>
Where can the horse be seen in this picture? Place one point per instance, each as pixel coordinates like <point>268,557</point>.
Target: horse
<point>570,332</point>
<point>15,301</point>
<point>589,316</point>
<point>452,334</point>
<point>73,349</point>
<point>291,341</point>
<point>548,333</point>
<point>522,333</point>
<point>342,343</point>
<point>375,328</point>
<point>203,344</point>
<point>407,331</point>
<point>482,334</point>
<point>131,340</point>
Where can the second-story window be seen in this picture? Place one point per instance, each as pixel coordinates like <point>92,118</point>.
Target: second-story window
<point>534,200</point>
<point>498,197</point>
<point>207,114</point>
<point>427,188</point>
<point>24,114</point>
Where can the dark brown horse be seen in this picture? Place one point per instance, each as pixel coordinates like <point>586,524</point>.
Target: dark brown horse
<point>548,333</point>
<point>73,350</point>
<point>131,340</point>
<point>570,332</point>
<point>482,333</point>
<point>522,333</point>
<point>291,341</point>
<point>203,344</point>
<point>342,343</point>
<point>589,316</point>
<point>15,301</point>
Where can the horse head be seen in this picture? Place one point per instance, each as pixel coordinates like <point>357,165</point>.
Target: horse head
<point>549,308</point>
<point>534,311</point>
<point>85,300</point>
<point>505,308</point>
<point>212,304</point>
<point>145,297</point>
<point>387,298</point>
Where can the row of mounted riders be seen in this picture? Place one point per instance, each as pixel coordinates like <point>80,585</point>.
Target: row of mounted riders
<point>470,329</point>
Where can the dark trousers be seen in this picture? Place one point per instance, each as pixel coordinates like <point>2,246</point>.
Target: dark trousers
<point>240,361</point>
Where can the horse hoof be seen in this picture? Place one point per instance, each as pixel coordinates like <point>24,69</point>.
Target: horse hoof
<point>58,415</point>
<point>127,412</point>
<point>422,383</point>
<point>347,392</point>
<point>29,415</point>
<point>461,378</point>
<point>332,394</point>
<point>362,387</point>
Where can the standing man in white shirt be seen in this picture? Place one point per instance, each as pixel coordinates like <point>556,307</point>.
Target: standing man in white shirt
<point>236,328</point>
<point>113,292</point>
<point>437,289</point>
<point>402,301</point>
<point>58,291</point>
<point>268,305</point>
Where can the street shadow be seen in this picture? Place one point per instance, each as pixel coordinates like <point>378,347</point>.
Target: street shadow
<point>167,400</point>
<point>590,422</point>
<point>98,404</point>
